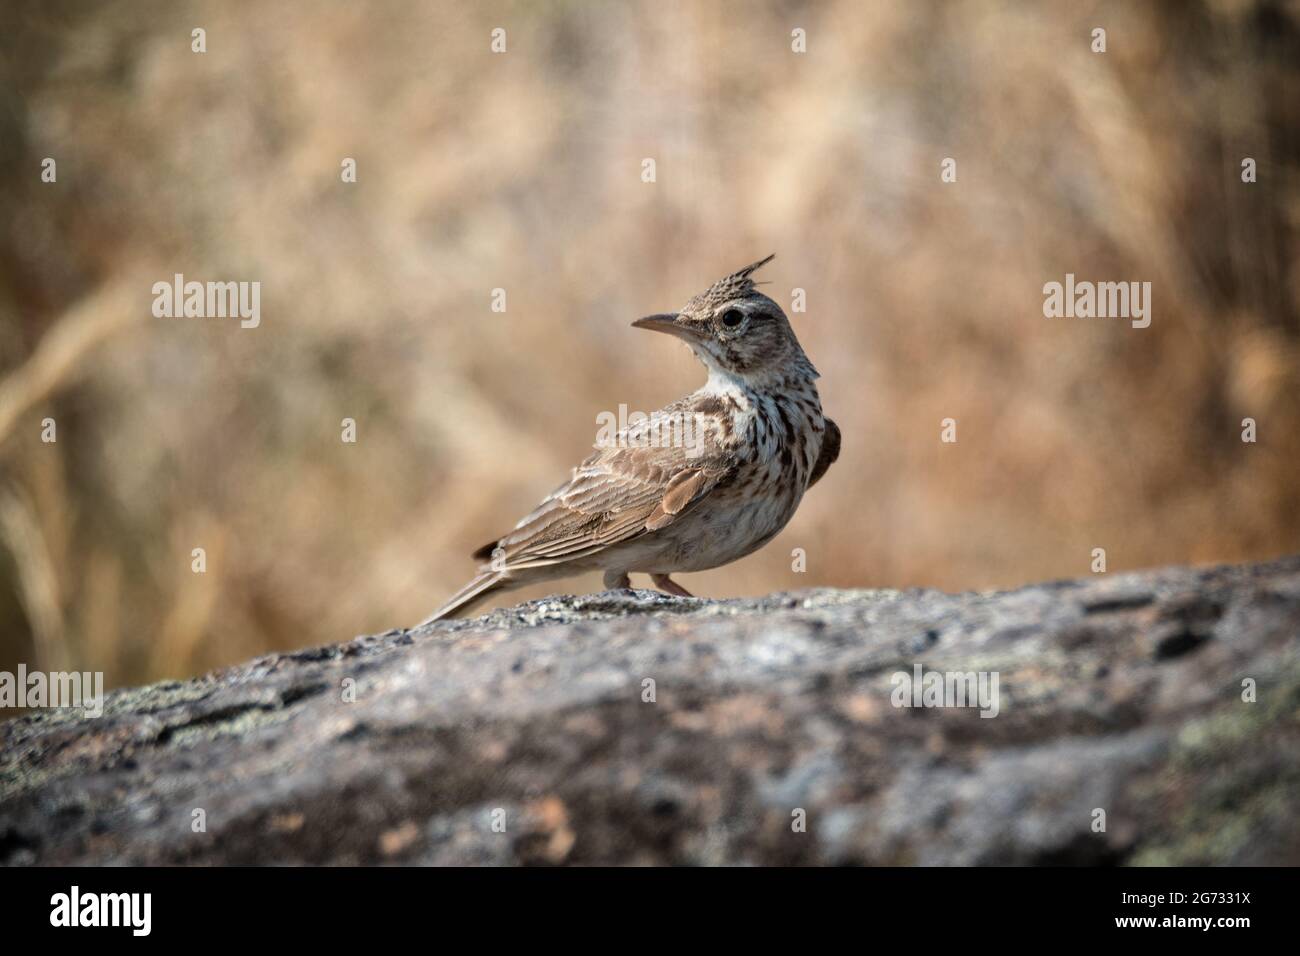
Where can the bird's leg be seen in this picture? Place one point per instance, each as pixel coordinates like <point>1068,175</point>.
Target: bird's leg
<point>615,580</point>
<point>664,583</point>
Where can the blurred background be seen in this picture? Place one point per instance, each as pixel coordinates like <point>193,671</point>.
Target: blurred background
<point>522,171</point>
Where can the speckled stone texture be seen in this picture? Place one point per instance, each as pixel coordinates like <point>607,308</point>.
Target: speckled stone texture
<point>1119,692</point>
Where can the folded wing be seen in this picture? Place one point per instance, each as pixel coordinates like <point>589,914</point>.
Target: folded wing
<point>616,495</point>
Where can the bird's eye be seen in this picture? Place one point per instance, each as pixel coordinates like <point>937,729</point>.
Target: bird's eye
<point>732,318</point>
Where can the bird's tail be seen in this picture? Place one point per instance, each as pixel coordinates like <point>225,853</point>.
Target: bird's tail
<point>471,594</point>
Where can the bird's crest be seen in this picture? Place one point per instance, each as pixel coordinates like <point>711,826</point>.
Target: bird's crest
<point>735,286</point>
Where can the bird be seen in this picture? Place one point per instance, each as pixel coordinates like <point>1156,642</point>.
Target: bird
<point>698,484</point>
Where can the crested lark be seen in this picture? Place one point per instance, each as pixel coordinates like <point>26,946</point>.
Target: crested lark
<point>759,442</point>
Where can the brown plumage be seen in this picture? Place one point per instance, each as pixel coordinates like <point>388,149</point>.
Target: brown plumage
<point>706,480</point>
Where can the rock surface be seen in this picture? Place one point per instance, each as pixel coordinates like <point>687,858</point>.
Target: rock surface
<point>526,736</point>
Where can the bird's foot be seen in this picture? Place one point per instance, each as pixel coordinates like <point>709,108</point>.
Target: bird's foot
<point>664,583</point>
<point>614,580</point>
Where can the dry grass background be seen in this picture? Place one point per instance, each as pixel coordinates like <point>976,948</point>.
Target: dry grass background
<point>522,171</point>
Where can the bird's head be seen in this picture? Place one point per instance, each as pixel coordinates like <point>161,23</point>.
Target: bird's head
<point>737,331</point>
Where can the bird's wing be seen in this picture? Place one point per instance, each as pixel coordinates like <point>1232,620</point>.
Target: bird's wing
<point>830,451</point>
<point>617,494</point>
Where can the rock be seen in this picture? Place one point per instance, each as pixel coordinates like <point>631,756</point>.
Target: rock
<point>528,736</point>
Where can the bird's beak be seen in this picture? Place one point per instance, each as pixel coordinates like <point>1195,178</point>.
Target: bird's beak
<point>669,322</point>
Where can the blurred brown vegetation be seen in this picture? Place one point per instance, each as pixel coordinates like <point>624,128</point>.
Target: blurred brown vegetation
<point>522,171</point>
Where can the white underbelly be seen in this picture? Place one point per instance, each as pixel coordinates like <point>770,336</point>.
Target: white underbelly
<point>713,536</point>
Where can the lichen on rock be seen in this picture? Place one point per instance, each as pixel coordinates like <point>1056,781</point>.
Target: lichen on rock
<point>633,727</point>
